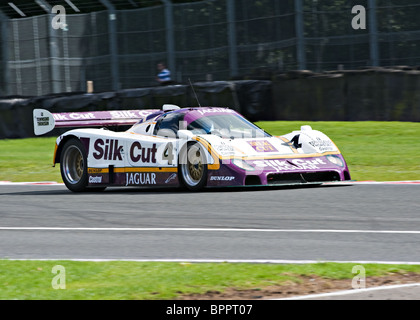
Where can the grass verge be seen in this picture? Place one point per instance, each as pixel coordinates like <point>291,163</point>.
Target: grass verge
<point>28,159</point>
<point>119,280</point>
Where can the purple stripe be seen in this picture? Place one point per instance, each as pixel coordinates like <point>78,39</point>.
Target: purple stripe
<point>99,118</point>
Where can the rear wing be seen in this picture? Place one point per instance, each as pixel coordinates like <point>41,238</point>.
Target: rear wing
<point>45,121</point>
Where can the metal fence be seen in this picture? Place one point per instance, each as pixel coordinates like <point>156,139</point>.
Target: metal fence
<point>202,41</point>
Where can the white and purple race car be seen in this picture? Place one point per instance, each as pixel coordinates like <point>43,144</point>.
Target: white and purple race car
<point>190,147</point>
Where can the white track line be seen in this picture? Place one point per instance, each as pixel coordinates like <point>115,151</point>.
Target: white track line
<point>210,230</point>
<point>38,183</point>
<point>187,260</point>
<point>352,291</point>
<point>409,182</point>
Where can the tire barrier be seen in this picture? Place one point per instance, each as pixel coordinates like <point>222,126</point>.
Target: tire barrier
<point>377,94</point>
<point>249,97</point>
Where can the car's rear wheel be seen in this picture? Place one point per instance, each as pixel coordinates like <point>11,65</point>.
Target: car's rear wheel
<point>193,167</point>
<point>73,165</point>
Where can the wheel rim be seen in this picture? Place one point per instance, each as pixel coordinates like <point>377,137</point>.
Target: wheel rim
<point>193,170</point>
<point>73,164</point>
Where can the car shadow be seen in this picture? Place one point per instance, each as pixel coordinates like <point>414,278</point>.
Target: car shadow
<point>63,191</point>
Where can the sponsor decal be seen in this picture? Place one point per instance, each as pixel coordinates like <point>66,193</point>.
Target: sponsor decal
<point>224,148</point>
<point>170,178</point>
<point>262,146</point>
<point>111,149</point>
<point>289,165</point>
<point>74,116</point>
<point>95,179</point>
<point>138,153</point>
<point>97,170</point>
<point>43,121</point>
<point>140,178</point>
<point>107,150</point>
<point>215,110</point>
<point>322,145</point>
<point>222,178</point>
<point>123,114</point>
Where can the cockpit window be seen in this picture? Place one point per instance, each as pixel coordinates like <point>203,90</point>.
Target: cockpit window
<point>227,126</point>
<point>168,124</point>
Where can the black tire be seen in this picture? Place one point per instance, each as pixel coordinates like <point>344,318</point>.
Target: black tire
<point>73,165</point>
<point>192,167</point>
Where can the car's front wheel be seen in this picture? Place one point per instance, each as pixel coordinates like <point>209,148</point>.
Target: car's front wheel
<point>193,167</point>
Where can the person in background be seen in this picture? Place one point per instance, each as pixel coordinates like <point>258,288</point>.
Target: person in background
<point>164,75</point>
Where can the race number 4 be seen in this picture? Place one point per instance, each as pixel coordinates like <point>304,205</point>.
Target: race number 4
<point>168,153</point>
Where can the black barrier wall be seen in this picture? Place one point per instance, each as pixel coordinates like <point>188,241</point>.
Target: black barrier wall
<point>374,94</point>
<point>249,97</point>
<point>378,94</point>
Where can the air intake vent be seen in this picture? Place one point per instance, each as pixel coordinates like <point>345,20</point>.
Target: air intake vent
<point>252,181</point>
<point>285,178</point>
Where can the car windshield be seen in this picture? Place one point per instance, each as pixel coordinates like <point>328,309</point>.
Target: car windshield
<point>229,126</point>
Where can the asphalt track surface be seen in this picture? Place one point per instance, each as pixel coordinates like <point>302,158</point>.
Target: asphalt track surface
<point>355,223</point>
<point>361,223</point>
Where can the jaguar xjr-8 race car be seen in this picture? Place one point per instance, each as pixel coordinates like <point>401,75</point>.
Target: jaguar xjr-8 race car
<point>191,147</point>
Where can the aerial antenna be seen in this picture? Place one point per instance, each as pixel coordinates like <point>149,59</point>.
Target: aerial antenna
<point>196,98</point>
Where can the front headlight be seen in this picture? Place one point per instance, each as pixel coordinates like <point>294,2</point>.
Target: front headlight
<point>335,160</point>
<point>243,165</point>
